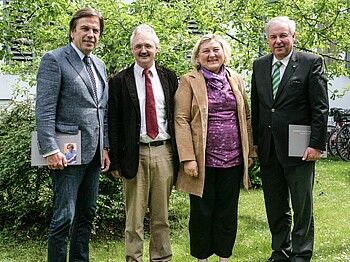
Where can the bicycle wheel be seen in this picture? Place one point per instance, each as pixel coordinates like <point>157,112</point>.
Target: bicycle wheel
<point>332,148</point>
<point>342,142</point>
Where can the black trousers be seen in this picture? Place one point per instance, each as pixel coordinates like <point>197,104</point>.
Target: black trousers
<point>213,218</point>
<point>283,185</point>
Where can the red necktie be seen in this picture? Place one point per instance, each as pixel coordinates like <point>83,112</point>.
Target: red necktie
<point>151,114</point>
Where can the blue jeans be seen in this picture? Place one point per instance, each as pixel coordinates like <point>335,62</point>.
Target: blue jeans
<point>75,193</point>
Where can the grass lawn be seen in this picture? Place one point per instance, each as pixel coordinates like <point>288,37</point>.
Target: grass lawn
<point>332,226</point>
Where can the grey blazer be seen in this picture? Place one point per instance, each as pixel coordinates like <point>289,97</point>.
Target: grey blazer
<point>65,102</point>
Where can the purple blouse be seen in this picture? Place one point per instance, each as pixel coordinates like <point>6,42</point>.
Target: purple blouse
<point>223,147</point>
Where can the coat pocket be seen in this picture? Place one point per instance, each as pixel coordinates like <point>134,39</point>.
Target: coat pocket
<point>67,129</point>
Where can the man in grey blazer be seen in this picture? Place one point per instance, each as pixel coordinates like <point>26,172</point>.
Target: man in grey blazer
<point>300,98</point>
<point>72,95</point>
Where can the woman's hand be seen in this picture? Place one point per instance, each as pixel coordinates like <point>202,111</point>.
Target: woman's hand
<point>191,168</point>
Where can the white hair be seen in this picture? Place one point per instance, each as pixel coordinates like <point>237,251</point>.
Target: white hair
<point>145,29</point>
<point>281,20</point>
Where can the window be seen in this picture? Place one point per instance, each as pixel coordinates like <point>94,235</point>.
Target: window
<point>19,44</point>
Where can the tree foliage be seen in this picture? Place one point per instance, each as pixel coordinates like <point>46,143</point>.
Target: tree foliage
<point>322,28</point>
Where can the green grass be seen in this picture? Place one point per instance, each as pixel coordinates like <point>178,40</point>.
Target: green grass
<point>332,226</point>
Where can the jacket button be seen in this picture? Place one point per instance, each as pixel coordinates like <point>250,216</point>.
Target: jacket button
<point>97,126</point>
<point>273,110</point>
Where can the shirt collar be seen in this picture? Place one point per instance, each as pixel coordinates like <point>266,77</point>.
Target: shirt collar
<point>80,54</point>
<point>139,70</point>
<point>284,60</point>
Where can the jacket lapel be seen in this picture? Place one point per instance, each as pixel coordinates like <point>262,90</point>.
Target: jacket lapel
<point>99,67</point>
<point>164,83</point>
<point>199,88</point>
<point>267,72</point>
<point>131,87</point>
<point>290,69</point>
<point>74,59</point>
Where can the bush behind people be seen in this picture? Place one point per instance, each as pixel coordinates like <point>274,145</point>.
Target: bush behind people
<point>25,192</point>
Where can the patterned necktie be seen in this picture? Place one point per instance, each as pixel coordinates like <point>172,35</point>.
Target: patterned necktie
<point>276,78</point>
<point>151,114</point>
<point>87,61</point>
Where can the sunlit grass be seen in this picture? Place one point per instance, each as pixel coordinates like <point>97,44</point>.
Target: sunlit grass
<point>332,226</point>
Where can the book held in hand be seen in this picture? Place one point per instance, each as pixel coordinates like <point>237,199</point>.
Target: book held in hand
<point>69,145</point>
<point>299,139</point>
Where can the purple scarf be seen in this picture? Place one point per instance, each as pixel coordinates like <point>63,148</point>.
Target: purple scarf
<point>213,80</point>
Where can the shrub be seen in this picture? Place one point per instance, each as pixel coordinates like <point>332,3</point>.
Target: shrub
<point>110,215</point>
<point>25,191</point>
<point>254,174</point>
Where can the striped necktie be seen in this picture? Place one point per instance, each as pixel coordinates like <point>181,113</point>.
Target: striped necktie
<point>87,61</point>
<point>276,78</point>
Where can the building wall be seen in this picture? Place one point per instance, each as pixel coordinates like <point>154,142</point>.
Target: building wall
<point>339,83</point>
<point>7,83</point>
<point>7,86</point>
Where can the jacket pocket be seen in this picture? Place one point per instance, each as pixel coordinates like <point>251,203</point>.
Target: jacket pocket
<point>67,129</point>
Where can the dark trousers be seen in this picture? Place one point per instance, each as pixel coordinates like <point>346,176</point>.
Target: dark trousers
<point>75,193</point>
<point>282,185</point>
<point>213,218</point>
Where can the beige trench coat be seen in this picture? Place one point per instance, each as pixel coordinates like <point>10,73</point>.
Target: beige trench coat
<point>191,117</point>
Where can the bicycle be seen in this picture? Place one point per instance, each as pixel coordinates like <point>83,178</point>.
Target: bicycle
<point>339,138</point>
<point>342,141</point>
<point>334,130</point>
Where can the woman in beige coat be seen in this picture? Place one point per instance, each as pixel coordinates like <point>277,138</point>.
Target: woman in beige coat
<point>212,127</point>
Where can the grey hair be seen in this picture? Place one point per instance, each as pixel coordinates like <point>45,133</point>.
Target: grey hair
<point>225,47</point>
<point>145,29</point>
<point>281,20</point>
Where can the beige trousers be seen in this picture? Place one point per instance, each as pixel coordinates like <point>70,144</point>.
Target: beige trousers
<point>151,189</point>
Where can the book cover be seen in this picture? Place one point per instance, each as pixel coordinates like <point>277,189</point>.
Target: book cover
<point>69,145</point>
<point>299,139</point>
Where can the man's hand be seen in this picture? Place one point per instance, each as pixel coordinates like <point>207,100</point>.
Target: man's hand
<point>105,161</point>
<point>56,161</point>
<point>191,168</point>
<point>311,154</point>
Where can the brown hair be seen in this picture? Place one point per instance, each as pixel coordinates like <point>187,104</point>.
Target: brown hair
<point>85,12</point>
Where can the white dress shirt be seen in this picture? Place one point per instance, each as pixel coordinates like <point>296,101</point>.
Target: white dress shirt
<point>159,101</point>
<point>284,61</point>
